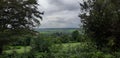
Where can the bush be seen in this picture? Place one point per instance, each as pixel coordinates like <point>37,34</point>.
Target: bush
<point>41,44</point>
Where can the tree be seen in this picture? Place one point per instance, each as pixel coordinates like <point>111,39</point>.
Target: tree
<point>64,38</point>
<point>101,21</point>
<point>17,18</point>
<point>75,35</point>
<point>41,43</point>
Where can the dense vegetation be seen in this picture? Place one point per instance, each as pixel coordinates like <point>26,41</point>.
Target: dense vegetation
<point>101,21</point>
<point>98,38</point>
<point>55,45</point>
<point>17,18</point>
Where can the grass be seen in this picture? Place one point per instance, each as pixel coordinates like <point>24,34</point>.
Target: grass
<point>69,45</point>
<point>26,49</point>
<point>20,50</point>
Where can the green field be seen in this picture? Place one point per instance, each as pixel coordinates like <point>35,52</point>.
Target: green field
<point>53,30</point>
<point>26,49</point>
<point>21,49</point>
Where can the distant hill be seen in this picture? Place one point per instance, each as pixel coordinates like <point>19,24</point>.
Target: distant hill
<point>66,30</point>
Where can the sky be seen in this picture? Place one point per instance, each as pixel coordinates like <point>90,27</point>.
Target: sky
<point>60,13</point>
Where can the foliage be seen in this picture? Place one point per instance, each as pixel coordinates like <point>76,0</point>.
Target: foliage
<point>101,21</point>
<point>61,37</point>
<point>67,50</point>
<point>24,41</point>
<point>17,17</point>
<point>78,50</point>
<point>41,43</point>
<point>75,35</point>
<point>65,38</point>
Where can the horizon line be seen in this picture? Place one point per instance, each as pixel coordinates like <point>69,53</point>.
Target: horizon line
<point>48,27</point>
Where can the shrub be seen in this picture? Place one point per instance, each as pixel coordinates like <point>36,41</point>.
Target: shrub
<point>41,44</point>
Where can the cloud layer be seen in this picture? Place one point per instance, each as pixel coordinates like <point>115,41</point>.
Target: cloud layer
<point>60,13</point>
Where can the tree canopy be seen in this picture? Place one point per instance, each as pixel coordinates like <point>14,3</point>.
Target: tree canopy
<point>15,14</point>
<point>17,17</point>
<point>101,21</point>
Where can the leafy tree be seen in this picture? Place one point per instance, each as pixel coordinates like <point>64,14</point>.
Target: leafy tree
<point>75,35</point>
<point>65,38</point>
<point>41,43</point>
<point>17,17</point>
<point>101,21</point>
<point>25,41</point>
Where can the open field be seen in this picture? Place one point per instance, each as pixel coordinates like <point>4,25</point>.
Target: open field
<point>26,49</point>
<point>21,49</point>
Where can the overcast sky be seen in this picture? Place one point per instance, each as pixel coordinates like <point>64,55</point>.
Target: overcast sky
<point>60,13</point>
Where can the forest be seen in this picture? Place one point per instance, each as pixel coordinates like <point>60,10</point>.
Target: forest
<point>96,37</point>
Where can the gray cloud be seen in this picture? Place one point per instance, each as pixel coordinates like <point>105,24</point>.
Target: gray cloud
<point>60,13</point>
<point>62,5</point>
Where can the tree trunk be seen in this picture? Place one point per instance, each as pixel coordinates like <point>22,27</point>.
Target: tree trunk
<point>1,50</point>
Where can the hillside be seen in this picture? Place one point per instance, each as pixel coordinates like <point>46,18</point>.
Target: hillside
<point>53,30</point>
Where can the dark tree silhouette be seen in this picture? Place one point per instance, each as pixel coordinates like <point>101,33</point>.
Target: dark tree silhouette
<point>17,17</point>
<point>101,21</point>
<point>75,35</point>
